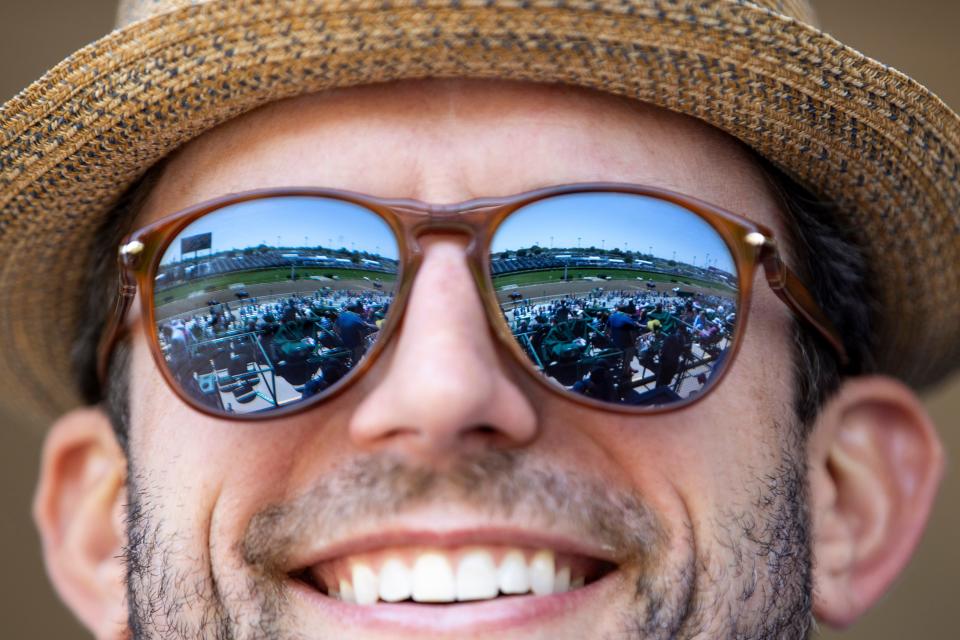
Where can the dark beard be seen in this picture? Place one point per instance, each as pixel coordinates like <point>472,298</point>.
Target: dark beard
<point>770,539</point>
<point>766,568</point>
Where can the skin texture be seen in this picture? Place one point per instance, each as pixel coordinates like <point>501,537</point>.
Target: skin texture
<point>716,512</point>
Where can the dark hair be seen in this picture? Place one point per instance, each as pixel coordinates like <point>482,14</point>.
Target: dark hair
<point>101,282</point>
<point>834,268</point>
<point>100,299</point>
<point>823,254</point>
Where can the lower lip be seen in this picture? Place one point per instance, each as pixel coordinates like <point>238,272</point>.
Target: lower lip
<point>500,614</point>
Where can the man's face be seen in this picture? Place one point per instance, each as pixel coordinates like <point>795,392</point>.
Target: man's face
<point>686,524</point>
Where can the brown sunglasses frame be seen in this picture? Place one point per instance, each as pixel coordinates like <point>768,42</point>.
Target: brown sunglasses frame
<point>750,243</point>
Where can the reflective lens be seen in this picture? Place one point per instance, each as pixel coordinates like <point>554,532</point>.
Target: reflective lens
<point>265,303</point>
<point>622,298</point>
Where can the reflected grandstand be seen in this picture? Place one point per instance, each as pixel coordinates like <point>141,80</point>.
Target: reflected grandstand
<point>248,330</point>
<point>626,329</point>
<point>246,324</point>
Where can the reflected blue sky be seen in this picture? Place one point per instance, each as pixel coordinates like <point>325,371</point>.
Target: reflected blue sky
<point>615,220</point>
<point>603,220</point>
<point>292,222</point>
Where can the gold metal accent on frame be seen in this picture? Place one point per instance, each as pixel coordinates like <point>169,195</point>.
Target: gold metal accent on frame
<point>756,239</point>
<point>132,248</point>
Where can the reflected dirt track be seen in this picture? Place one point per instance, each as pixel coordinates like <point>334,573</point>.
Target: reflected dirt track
<point>299,287</point>
<point>552,289</point>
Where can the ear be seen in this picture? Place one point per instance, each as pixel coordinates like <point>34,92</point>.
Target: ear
<point>875,463</point>
<point>79,511</point>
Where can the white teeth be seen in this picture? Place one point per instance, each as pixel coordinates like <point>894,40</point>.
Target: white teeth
<point>542,570</point>
<point>477,577</point>
<point>364,584</point>
<point>513,575</point>
<point>433,579</point>
<point>395,581</point>
<point>346,591</point>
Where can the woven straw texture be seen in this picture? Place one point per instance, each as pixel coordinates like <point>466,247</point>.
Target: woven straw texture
<point>852,129</point>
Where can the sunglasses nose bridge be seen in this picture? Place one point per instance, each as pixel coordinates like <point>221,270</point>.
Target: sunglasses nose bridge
<point>472,224</point>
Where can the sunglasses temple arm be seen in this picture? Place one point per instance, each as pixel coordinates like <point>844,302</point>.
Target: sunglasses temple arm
<point>795,295</point>
<point>116,328</point>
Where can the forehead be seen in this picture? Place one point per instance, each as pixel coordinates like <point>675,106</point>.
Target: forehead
<point>447,141</point>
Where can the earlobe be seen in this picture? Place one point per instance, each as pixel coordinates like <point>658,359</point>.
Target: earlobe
<point>875,465</point>
<point>78,512</point>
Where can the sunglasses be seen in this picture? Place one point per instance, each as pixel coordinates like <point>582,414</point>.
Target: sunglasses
<point>621,297</point>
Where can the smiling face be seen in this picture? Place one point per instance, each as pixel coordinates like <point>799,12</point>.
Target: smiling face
<point>446,473</point>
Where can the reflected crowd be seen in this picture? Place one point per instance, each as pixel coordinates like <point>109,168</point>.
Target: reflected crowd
<point>632,347</point>
<point>263,353</point>
<point>627,347</point>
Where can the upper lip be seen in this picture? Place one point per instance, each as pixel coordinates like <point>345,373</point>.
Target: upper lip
<point>417,535</point>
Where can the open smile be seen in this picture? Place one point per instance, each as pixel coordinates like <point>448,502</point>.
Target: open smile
<point>452,581</point>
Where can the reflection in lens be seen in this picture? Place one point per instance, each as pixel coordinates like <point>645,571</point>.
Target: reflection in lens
<point>265,303</point>
<point>619,297</point>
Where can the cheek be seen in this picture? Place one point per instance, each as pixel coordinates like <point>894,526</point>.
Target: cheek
<point>204,474</point>
<point>698,462</point>
<point>186,461</point>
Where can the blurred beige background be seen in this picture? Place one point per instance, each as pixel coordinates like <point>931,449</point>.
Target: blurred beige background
<point>918,37</point>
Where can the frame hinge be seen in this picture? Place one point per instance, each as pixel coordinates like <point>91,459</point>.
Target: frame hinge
<point>130,252</point>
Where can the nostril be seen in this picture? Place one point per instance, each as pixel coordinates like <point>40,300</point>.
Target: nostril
<point>484,437</point>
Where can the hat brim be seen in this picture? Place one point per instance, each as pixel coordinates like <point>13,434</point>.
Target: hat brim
<point>881,146</point>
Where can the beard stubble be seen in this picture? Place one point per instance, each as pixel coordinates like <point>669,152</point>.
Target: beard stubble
<point>755,584</point>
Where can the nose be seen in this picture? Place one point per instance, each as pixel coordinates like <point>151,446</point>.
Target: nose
<point>445,388</point>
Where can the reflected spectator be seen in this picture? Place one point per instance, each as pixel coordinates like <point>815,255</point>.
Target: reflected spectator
<point>598,384</point>
<point>352,329</point>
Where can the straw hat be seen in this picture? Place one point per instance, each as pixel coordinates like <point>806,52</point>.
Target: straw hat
<point>852,129</point>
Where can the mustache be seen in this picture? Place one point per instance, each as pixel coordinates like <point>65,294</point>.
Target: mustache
<point>509,485</point>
